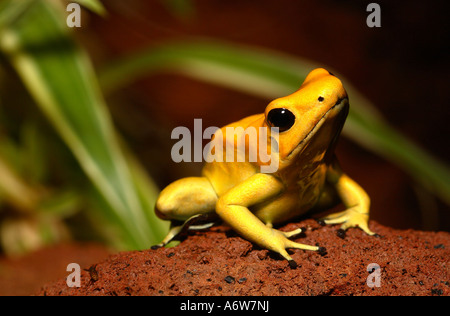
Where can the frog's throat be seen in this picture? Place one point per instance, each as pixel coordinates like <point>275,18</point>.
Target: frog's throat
<point>340,103</point>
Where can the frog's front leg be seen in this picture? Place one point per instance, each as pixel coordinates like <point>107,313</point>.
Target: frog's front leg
<point>233,206</point>
<point>354,198</point>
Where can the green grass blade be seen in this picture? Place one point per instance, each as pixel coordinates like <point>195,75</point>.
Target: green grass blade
<point>93,5</point>
<point>59,76</point>
<point>223,64</point>
<point>269,74</point>
<point>16,191</point>
<point>11,10</point>
<point>183,9</point>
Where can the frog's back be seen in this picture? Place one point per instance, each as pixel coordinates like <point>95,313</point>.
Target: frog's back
<point>228,173</point>
<point>225,175</point>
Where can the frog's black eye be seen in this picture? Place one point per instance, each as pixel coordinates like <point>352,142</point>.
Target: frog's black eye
<point>320,99</point>
<point>281,118</point>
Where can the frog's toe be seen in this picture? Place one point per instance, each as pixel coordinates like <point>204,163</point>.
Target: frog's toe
<point>321,221</point>
<point>366,229</point>
<point>363,225</point>
<point>341,233</point>
<point>336,218</point>
<point>293,264</point>
<point>293,244</point>
<point>322,251</point>
<point>281,242</point>
<point>293,232</point>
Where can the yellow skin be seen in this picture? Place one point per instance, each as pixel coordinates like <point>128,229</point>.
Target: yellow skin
<point>308,177</point>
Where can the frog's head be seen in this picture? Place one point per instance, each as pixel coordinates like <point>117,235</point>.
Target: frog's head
<point>309,120</point>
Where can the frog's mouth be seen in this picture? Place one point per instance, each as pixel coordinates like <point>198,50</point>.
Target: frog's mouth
<point>336,108</point>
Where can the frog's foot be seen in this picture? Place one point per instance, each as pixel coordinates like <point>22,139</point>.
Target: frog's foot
<point>290,234</point>
<point>177,228</point>
<point>352,217</point>
<point>174,231</point>
<point>281,242</point>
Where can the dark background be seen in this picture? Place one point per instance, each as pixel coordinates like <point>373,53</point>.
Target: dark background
<point>402,67</point>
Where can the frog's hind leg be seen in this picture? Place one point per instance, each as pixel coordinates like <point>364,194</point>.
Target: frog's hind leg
<point>186,202</point>
<point>177,228</point>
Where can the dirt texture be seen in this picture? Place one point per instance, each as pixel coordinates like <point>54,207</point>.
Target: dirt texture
<point>218,262</point>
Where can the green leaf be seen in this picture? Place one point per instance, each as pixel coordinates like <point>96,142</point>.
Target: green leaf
<point>59,76</point>
<point>93,5</point>
<point>181,8</point>
<point>248,70</point>
<point>11,10</point>
<point>15,190</point>
<point>33,152</point>
<point>269,74</point>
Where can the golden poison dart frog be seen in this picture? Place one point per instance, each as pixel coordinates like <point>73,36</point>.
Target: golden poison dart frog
<point>308,176</point>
